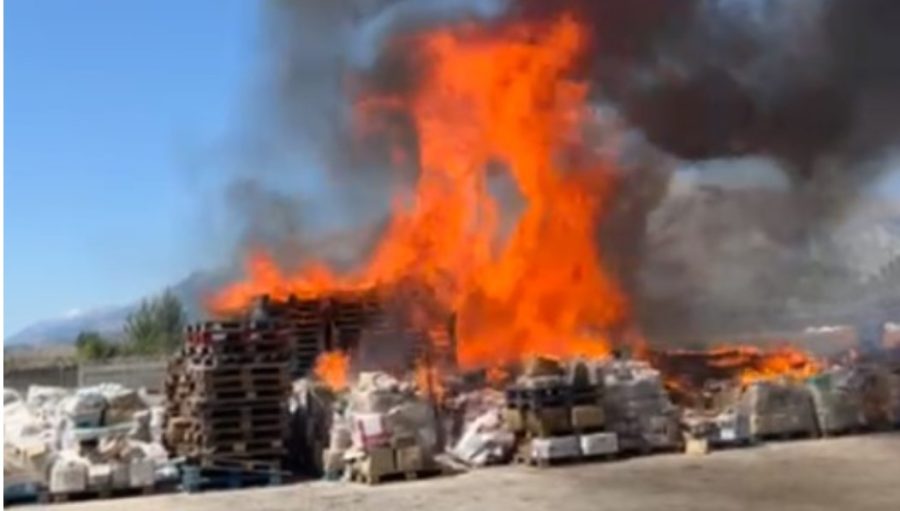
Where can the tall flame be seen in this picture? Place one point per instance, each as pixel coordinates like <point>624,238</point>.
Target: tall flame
<point>332,367</point>
<point>491,97</point>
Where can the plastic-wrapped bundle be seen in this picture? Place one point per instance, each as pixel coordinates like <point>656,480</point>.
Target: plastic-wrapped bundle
<point>837,400</point>
<point>637,407</point>
<point>779,408</point>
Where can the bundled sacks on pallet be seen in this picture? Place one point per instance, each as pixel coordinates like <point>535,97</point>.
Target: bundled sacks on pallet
<point>85,408</point>
<point>122,404</point>
<point>880,394</point>
<point>29,445</point>
<point>485,441</point>
<point>383,410</point>
<point>637,407</point>
<point>69,474</point>
<point>45,401</point>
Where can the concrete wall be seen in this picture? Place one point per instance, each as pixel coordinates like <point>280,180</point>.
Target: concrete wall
<point>133,374</point>
<point>147,374</point>
<point>54,375</point>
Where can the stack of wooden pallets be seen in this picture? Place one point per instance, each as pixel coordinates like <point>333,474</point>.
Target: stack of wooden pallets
<point>306,326</point>
<point>227,395</point>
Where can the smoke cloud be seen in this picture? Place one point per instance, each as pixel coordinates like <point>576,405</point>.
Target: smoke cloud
<point>812,85</point>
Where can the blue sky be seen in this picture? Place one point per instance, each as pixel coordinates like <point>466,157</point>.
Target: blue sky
<point>106,104</point>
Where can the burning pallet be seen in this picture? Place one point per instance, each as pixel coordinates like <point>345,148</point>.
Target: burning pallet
<point>347,321</point>
<point>226,396</point>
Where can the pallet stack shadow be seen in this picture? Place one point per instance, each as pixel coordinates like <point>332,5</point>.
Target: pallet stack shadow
<point>226,398</point>
<point>558,417</point>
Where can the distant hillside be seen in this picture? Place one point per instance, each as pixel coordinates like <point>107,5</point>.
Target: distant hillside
<point>110,321</point>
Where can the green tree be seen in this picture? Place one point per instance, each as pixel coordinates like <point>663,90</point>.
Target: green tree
<point>91,345</point>
<point>156,326</point>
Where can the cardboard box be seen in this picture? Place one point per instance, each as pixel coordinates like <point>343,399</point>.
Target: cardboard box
<point>587,417</point>
<point>549,421</point>
<point>514,420</point>
<point>410,459</point>
<point>378,462</point>
<point>555,448</point>
<point>696,446</point>
<point>599,444</point>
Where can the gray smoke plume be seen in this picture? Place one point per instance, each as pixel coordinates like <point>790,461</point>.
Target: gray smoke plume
<point>811,85</point>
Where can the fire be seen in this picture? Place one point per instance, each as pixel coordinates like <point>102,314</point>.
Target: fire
<point>749,363</point>
<point>332,367</point>
<point>428,381</point>
<point>497,97</point>
<point>782,362</point>
<point>687,371</point>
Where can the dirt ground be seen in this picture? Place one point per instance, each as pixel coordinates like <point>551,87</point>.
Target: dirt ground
<point>859,473</point>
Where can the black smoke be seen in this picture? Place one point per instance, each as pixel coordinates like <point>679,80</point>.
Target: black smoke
<point>810,84</point>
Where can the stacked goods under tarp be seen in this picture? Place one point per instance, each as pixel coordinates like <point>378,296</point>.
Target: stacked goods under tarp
<point>879,389</point>
<point>638,408</point>
<point>557,412</point>
<point>838,401</point>
<point>477,425</point>
<point>227,398</point>
<point>27,450</point>
<point>780,408</point>
<point>384,430</point>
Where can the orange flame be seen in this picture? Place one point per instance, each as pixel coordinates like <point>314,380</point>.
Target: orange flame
<point>498,96</point>
<point>332,368</point>
<point>428,381</point>
<point>753,364</point>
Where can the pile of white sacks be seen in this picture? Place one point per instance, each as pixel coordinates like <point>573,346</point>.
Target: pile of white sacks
<point>91,439</point>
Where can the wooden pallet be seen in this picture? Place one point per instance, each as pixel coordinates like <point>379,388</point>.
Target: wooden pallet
<point>787,436</point>
<point>237,462</point>
<point>260,449</point>
<point>104,493</point>
<point>258,423</point>
<point>215,397</point>
<point>231,326</point>
<point>569,460</point>
<point>412,475</point>
<point>238,349</point>
<point>254,435</point>
<point>217,361</point>
<point>236,411</point>
<point>198,478</point>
